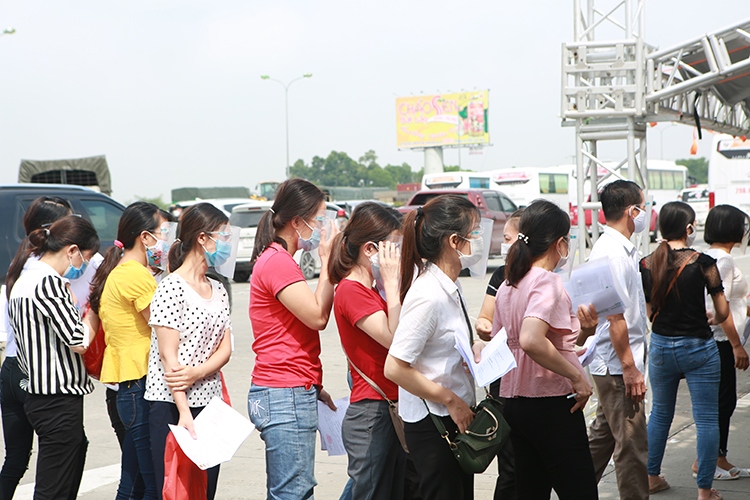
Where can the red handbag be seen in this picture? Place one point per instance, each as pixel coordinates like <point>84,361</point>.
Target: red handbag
<point>183,480</point>
<point>94,355</point>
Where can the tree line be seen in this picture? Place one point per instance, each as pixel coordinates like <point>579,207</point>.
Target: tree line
<point>339,169</point>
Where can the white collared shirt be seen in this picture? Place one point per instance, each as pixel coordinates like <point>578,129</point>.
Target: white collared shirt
<point>623,257</point>
<point>430,319</point>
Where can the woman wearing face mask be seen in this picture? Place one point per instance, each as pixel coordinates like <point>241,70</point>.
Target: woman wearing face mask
<point>440,239</point>
<point>51,339</point>
<point>286,316</point>
<point>366,317</point>
<point>545,394</point>
<point>191,341</point>
<point>18,434</point>
<point>726,227</point>
<point>121,295</point>
<point>675,279</point>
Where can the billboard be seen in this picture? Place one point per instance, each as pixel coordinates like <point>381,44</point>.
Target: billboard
<point>455,119</point>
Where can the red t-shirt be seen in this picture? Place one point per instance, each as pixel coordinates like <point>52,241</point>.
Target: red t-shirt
<point>352,302</point>
<point>287,352</point>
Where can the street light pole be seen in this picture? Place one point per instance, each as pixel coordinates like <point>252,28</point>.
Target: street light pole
<point>286,112</point>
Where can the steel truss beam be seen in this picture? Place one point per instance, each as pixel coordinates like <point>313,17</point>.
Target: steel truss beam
<point>611,89</point>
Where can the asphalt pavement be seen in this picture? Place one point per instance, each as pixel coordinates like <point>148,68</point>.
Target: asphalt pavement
<point>244,476</point>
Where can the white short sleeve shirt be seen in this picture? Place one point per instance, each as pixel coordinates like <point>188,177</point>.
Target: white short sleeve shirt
<point>202,324</point>
<point>623,257</point>
<point>735,290</point>
<point>430,319</point>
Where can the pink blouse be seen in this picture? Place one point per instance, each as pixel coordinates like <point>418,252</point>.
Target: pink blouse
<point>540,294</point>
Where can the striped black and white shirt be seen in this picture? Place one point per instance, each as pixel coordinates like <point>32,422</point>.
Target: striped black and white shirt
<point>46,325</point>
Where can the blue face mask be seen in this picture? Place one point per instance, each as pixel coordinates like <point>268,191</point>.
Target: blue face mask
<point>72,272</point>
<point>312,242</point>
<point>220,255</point>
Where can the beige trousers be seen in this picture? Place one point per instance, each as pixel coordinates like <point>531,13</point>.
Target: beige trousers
<point>619,431</point>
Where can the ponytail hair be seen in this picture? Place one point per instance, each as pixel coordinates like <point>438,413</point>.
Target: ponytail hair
<point>293,198</point>
<point>541,224</point>
<point>427,229</point>
<point>674,217</point>
<point>370,222</point>
<point>42,212</point>
<point>137,217</point>
<point>195,220</point>
<point>69,230</point>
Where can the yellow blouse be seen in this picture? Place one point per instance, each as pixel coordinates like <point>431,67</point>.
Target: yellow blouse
<point>128,291</point>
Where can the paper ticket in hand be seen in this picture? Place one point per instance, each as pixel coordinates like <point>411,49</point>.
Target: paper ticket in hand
<point>220,430</point>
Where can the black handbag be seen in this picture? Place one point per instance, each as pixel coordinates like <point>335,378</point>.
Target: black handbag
<point>486,435</point>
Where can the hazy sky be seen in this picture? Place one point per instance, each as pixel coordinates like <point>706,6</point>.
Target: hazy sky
<point>170,91</point>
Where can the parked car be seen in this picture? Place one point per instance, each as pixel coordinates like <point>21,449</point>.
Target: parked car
<point>697,197</point>
<point>224,204</point>
<point>653,228</point>
<point>492,205</point>
<point>103,212</point>
<point>247,216</point>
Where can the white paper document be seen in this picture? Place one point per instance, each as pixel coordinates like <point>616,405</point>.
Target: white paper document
<point>497,360</point>
<point>593,283</point>
<point>329,426</point>
<point>220,430</point>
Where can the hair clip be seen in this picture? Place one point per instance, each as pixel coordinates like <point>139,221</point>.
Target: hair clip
<point>118,244</point>
<point>523,238</point>
<point>46,231</point>
<point>272,211</point>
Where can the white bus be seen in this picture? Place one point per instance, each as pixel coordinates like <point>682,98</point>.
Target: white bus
<point>456,180</point>
<point>729,172</point>
<point>666,180</point>
<point>525,184</point>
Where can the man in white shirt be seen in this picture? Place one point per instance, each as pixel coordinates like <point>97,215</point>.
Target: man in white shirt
<point>618,365</point>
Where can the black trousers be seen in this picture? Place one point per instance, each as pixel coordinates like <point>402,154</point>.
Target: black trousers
<point>505,486</point>
<point>114,416</point>
<point>58,421</point>
<point>440,475</point>
<point>727,393</point>
<point>17,431</point>
<point>551,449</point>
<point>160,416</point>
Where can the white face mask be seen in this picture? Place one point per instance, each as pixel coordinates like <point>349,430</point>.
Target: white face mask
<point>640,221</point>
<point>477,251</point>
<point>504,249</point>
<point>563,260</point>
<point>691,236</point>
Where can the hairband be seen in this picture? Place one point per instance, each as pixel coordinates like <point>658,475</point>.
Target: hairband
<point>119,244</point>
<point>46,231</point>
<point>272,211</point>
<point>523,238</point>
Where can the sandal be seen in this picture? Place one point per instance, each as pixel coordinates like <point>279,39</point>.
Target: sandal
<point>738,472</point>
<point>721,475</point>
<point>660,486</point>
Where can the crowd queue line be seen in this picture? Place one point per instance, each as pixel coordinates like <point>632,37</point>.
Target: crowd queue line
<point>392,283</point>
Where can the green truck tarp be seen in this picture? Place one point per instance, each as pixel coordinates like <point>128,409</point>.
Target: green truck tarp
<point>92,172</point>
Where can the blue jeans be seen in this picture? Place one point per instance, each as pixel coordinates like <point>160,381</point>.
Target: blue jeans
<point>137,469</point>
<point>287,419</point>
<point>698,360</point>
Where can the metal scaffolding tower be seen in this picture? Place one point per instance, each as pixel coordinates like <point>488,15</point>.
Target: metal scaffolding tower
<point>612,89</point>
